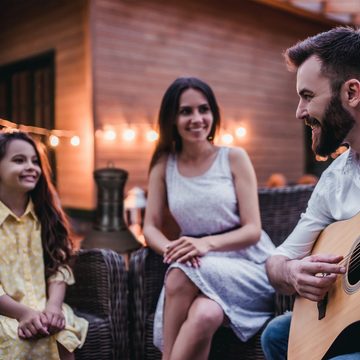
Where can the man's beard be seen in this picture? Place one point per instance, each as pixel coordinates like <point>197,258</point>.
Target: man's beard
<point>336,124</point>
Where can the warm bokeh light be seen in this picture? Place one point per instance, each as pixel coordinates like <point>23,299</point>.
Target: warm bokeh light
<point>240,132</point>
<point>129,135</point>
<point>54,140</point>
<point>152,135</point>
<point>227,139</point>
<point>321,158</point>
<point>75,141</point>
<point>341,149</point>
<point>109,134</point>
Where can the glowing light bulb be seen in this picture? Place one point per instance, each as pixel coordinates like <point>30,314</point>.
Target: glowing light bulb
<point>240,131</point>
<point>54,140</point>
<point>227,138</point>
<point>152,135</point>
<point>321,158</point>
<point>75,140</point>
<point>109,134</point>
<point>129,135</point>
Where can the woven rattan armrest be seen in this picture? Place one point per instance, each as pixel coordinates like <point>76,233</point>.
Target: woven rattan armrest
<point>100,294</point>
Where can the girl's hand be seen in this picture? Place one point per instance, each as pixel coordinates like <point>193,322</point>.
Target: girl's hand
<point>185,249</point>
<point>32,324</point>
<point>55,318</point>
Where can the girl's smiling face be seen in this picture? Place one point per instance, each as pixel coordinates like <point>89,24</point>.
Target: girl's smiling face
<point>19,168</point>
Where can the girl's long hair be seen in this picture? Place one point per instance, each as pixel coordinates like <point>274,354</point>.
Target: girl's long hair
<point>169,139</point>
<point>55,229</point>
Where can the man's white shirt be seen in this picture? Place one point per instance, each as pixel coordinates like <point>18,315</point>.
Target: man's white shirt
<point>335,197</point>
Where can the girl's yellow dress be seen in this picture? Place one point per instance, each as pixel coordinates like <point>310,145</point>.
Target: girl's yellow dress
<point>22,276</point>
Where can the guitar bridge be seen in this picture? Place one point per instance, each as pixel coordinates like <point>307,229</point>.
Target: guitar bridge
<point>321,305</point>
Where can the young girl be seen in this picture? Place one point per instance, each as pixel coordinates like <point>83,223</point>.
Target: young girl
<point>34,254</point>
<point>217,265</point>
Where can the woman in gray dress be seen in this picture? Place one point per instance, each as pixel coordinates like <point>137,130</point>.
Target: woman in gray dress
<point>216,271</point>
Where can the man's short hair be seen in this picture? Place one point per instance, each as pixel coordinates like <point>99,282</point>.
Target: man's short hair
<point>338,50</point>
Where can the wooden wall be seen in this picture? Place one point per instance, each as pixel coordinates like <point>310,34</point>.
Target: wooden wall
<point>115,58</point>
<point>141,46</point>
<point>29,28</point>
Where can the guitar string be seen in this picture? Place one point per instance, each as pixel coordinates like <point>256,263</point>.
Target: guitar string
<point>356,251</point>
<point>356,257</point>
<point>346,257</point>
<point>353,259</point>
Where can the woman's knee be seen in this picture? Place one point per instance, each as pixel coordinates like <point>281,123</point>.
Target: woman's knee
<point>178,283</point>
<point>206,315</point>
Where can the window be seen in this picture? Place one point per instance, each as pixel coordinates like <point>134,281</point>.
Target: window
<point>27,94</point>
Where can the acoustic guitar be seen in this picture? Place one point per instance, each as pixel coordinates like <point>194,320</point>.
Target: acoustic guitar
<point>315,326</point>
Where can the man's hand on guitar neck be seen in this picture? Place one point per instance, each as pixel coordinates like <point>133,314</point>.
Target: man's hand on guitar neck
<point>311,277</point>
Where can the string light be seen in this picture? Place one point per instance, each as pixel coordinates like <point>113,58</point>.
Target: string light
<point>8,124</point>
<point>240,132</point>
<point>227,138</point>
<point>54,140</point>
<point>109,134</point>
<point>321,158</point>
<point>152,136</point>
<point>129,135</point>
<point>75,140</point>
<point>53,135</point>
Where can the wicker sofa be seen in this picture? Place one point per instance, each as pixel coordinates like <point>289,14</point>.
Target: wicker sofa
<point>280,211</point>
<point>100,295</point>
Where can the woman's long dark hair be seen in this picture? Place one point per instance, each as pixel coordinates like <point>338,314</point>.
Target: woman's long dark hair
<point>169,139</point>
<point>55,229</point>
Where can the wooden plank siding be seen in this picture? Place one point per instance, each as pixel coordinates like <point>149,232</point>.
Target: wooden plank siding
<point>141,46</point>
<point>115,58</point>
<point>29,28</point>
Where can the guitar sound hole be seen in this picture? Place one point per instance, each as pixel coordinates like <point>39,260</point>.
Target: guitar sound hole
<point>354,266</point>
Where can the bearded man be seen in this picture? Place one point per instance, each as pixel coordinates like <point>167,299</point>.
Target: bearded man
<point>328,85</point>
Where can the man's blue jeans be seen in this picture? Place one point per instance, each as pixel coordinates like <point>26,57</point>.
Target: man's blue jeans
<point>274,340</point>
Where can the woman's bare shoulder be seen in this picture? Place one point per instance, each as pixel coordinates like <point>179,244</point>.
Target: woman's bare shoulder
<point>158,170</point>
<point>238,155</point>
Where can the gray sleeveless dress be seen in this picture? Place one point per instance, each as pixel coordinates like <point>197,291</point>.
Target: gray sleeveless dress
<point>236,280</point>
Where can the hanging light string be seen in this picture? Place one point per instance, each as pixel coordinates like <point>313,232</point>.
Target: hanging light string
<point>107,132</point>
<point>144,131</point>
<point>8,124</point>
<point>53,135</point>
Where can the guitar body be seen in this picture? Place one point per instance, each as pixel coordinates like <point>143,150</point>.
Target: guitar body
<point>311,338</point>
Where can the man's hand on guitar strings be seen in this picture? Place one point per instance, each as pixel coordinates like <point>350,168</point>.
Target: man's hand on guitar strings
<point>304,275</point>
